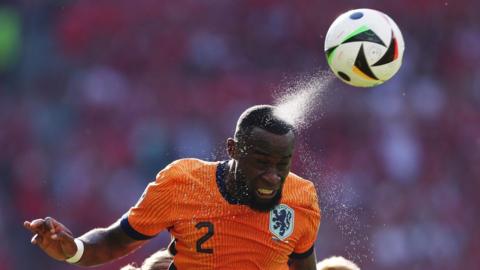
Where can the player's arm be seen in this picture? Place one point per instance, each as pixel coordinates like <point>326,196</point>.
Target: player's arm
<point>100,245</point>
<point>122,237</point>
<point>308,262</point>
<point>303,256</point>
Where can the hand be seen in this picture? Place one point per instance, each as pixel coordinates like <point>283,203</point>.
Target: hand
<point>52,237</point>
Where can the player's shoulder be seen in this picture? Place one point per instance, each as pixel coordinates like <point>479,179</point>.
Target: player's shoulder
<point>181,168</point>
<point>299,189</point>
<point>191,164</point>
<point>295,181</point>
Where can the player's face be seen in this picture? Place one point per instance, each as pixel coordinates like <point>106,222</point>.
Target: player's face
<point>263,162</point>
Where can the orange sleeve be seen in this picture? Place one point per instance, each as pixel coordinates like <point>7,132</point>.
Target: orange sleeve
<point>311,226</point>
<point>154,210</point>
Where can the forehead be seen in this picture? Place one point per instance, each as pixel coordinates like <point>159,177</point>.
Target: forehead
<point>270,143</point>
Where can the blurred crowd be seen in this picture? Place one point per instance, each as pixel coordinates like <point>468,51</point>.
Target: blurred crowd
<point>97,96</point>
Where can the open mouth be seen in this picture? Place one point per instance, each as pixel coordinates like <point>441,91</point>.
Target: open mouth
<point>266,193</point>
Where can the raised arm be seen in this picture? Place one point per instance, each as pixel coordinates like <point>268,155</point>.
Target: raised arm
<point>101,245</point>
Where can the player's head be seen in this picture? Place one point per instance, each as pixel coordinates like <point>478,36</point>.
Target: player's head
<point>262,150</point>
<point>336,263</point>
<point>159,260</point>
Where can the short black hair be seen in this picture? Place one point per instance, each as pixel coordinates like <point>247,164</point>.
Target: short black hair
<point>264,117</point>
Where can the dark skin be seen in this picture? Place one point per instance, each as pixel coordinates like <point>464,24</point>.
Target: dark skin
<point>261,161</point>
<point>101,245</point>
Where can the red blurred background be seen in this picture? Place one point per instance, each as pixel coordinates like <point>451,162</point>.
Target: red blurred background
<point>97,96</point>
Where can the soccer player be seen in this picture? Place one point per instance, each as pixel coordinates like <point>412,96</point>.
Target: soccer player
<point>336,263</point>
<point>248,212</point>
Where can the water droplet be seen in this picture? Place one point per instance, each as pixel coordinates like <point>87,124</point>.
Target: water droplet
<point>297,105</point>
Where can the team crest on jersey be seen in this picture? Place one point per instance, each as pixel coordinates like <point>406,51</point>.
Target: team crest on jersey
<point>281,221</point>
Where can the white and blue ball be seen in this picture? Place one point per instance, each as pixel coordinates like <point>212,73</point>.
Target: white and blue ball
<point>364,47</point>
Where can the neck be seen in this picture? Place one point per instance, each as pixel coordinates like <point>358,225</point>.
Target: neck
<point>234,187</point>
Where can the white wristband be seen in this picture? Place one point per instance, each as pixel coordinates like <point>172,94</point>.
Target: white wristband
<point>78,255</point>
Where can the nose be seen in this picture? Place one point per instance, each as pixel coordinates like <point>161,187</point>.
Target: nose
<point>272,177</point>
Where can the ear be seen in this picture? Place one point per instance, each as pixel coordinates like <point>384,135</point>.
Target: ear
<point>231,147</point>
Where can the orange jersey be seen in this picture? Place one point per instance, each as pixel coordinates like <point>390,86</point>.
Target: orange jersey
<point>189,199</point>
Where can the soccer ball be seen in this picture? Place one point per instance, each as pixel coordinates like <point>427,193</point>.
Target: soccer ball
<point>364,47</point>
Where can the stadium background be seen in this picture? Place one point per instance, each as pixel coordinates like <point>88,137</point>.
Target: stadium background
<point>97,96</point>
